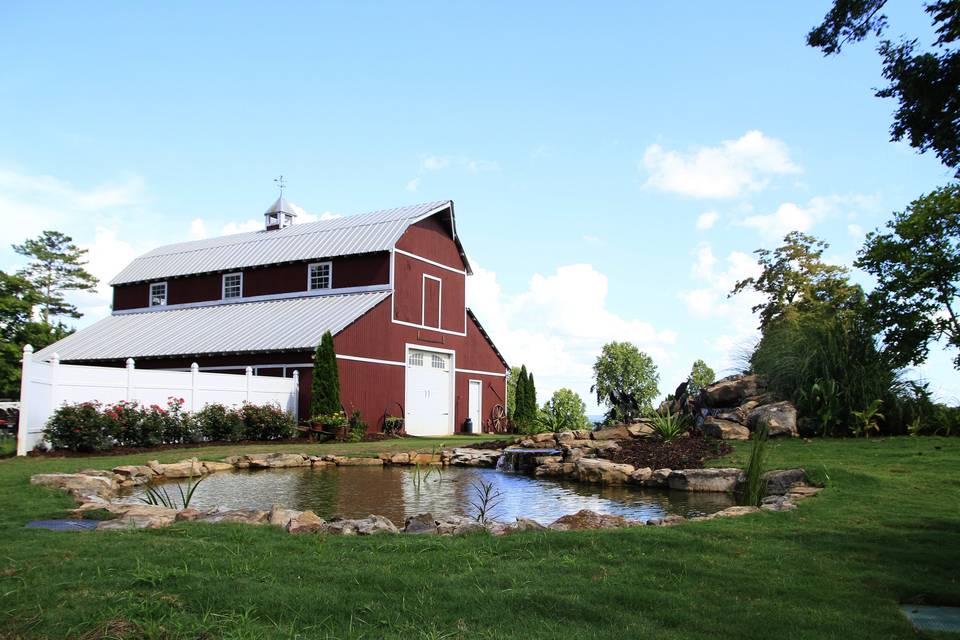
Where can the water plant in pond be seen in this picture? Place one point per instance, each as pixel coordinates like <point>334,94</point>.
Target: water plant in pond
<point>157,495</point>
<point>486,499</point>
<point>668,426</point>
<point>753,489</point>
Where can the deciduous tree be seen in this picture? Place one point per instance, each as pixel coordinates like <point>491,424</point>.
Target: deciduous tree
<point>568,409</point>
<point>625,380</point>
<point>795,275</point>
<point>924,83</point>
<point>700,376</point>
<point>917,266</point>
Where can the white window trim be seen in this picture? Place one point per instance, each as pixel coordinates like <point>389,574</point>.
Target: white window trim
<point>223,286</point>
<point>423,302</point>
<point>329,271</point>
<point>166,294</point>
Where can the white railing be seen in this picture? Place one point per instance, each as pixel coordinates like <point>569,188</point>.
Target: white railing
<point>45,386</point>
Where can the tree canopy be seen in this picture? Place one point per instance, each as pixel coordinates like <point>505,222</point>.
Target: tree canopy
<point>700,376</point>
<point>568,408</point>
<point>924,83</point>
<point>625,380</point>
<point>917,266</point>
<point>56,266</point>
<point>795,275</point>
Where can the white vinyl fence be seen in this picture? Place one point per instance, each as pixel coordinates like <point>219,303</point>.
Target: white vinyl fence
<point>45,386</point>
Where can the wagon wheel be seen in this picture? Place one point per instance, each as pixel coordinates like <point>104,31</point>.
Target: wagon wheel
<point>497,423</point>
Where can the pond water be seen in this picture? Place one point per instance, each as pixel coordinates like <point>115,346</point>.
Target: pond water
<point>395,492</point>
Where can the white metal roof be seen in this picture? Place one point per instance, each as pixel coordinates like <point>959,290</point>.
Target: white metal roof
<point>292,323</point>
<point>364,233</point>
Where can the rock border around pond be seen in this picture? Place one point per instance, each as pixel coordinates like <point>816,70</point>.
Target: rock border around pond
<point>96,489</point>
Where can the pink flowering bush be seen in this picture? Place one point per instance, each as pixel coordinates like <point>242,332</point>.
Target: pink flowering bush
<point>90,426</point>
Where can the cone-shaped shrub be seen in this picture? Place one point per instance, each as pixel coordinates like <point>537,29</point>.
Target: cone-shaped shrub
<point>325,384</point>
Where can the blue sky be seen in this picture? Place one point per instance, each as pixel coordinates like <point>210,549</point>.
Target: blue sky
<point>613,166</point>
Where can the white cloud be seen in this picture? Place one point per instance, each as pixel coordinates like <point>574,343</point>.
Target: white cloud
<point>593,240</point>
<point>558,325</point>
<point>794,217</point>
<point>855,231</point>
<point>473,165</point>
<point>198,229</point>
<point>305,216</point>
<point>413,185</point>
<point>731,318</point>
<point>706,220</point>
<point>725,171</point>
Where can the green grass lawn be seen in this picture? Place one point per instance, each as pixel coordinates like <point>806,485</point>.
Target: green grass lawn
<point>885,530</point>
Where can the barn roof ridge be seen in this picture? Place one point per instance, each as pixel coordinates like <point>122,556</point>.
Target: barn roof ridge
<point>361,233</point>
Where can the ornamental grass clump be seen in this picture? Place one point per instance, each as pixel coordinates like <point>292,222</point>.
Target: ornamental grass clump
<point>754,485</point>
<point>157,495</point>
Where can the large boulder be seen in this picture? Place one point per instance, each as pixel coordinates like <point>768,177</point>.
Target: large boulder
<point>374,524</point>
<point>276,460</point>
<point>730,391</point>
<point>603,471</point>
<point>306,522</point>
<point>780,418</point>
<point>280,516</point>
<point>641,429</point>
<point>780,482</point>
<point>521,524</point>
<point>555,470</point>
<point>465,457</point>
<point>359,462</point>
<point>78,485</point>
<point>182,469</point>
<point>458,526</point>
<point>724,429</point>
<point>138,516</point>
<point>586,519</point>
<point>421,524</point>
<point>236,516</point>
<point>714,480</point>
<point>617,432</point>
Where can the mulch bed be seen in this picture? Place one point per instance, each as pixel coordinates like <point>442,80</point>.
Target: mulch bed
<point>682,453</point>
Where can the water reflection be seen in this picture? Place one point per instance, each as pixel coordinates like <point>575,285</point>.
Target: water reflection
<point>396,493</point>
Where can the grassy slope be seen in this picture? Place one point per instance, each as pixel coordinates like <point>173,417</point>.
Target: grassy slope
<point>886,529</point>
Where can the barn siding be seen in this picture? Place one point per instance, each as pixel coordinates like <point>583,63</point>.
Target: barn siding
<point>408,292</point>
<point>348,271</point>
<point>371,389</point>
<point>433,239</point>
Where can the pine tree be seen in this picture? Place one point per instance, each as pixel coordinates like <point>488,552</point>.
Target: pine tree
<point>531,398</point>
<point>56,266</point>
<point>325,383</point>
<point>520,412</point>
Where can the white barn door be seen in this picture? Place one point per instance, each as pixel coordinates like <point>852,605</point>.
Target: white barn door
<point>428,394</point>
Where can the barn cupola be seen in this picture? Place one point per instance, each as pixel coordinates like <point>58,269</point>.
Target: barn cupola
<point>279,215</point>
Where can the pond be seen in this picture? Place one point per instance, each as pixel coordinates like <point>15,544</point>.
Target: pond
<point>395,492</point>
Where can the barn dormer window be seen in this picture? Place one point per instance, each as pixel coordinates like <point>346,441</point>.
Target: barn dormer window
<point>321,276</point>
<point>158,294</point>
<point>232,285</point>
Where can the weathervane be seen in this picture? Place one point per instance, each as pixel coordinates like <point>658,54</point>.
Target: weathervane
<point>280,183</point>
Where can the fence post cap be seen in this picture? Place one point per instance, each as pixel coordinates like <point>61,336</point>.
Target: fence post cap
<point>194,367</point>
<point>28,348</point>
<point>296,374</point>
<point>249,371</point>
<point>55,358</point>
<point>130,364</point>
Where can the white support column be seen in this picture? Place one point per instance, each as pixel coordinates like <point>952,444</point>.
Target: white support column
<point>130,369</point>
<point>296,396</point>
<point>249,372</point>
<point>194,375</point>
<point>22,426</point>
<point>54,379</point>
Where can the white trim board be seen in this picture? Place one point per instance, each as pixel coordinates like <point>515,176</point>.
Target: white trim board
<point>371,360</point>
<point>263,298</point>
<point>429,261</point>
<point>482,373</point>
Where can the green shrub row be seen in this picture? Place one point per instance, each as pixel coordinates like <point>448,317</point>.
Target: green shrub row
<point>92,426</point>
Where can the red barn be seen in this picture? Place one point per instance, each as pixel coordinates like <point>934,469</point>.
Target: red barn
<point>389,285</point>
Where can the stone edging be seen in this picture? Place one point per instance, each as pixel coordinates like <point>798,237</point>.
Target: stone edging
<point>96,490</point>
